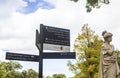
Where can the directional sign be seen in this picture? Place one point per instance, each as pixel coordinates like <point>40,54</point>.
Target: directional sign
<point>58,36</point>
<point>57,39</point>
<point>35,58</point>
<point>59,55</point>
<point>22,57</point>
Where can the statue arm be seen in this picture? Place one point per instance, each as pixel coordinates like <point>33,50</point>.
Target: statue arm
<point>107,51</point>
<point>111,51</point>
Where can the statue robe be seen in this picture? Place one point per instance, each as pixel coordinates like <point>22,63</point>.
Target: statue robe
<point>108,67</point>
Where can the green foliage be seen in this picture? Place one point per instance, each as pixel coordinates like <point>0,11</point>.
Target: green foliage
<point>13,74</point>
<point>32,74</point>
<point>48,77</point>
<point>93,4</point>
<point>58,76</point>
<point>9,70</point>
<point>11,65</point>
<point>87,46</point>
<point>118,55</point>
<point>2,71</point>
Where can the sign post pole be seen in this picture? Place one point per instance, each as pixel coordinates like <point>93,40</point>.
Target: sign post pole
<point>41,53</point>
<point>39,44</point>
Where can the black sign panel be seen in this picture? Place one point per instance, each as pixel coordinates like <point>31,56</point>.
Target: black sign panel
<point>21,57</point>
<point>35,58</point>
<point>54,35</point>
<point>59,55</point>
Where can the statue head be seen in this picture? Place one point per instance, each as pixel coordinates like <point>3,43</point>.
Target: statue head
<point>107,36</point>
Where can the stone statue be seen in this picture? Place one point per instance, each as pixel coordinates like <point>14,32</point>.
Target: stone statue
<point>108,59</point>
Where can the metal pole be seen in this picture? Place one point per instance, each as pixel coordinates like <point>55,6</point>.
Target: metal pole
<point>41,53</point>
<point>40,64</point>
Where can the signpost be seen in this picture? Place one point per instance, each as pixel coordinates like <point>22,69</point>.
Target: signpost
<point>35,58</point>
<point>49,38</point>
<point>53,38</point>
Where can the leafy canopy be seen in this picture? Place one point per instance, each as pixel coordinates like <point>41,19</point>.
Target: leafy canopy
<point>87,46</point>
<point>93,4</point>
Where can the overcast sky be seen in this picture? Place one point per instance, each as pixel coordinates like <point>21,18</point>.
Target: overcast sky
<point>20,18</point>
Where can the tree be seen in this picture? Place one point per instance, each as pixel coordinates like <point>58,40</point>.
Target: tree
<point>48,77</point>
<point>87,46</point>
<point>32,74</point>
<point>9,70</point>
<point>24,74</point>
<point>93,4</point>
<point>58,76</point>
<point>2,71</point>
<point>13,74</point>
<point>11,65</point>
<point>118,55</point>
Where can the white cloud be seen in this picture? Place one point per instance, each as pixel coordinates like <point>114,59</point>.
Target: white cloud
<point>66,14</point>
<point>18,35</point>
<point>20,28</point>
<point>8,7</point>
